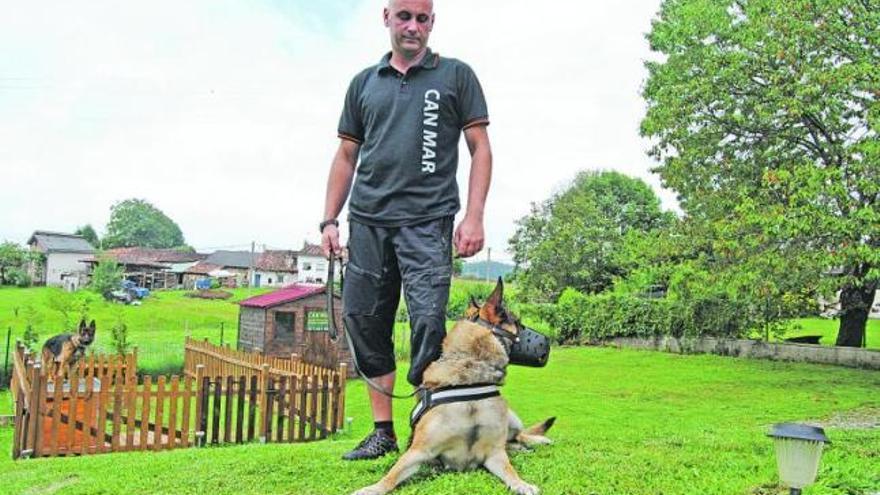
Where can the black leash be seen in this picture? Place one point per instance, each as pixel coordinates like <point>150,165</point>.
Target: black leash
<point>334,331</point>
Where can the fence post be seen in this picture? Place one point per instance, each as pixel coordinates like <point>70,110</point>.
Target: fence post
<point>343,378</point>
<point>6,362</point>
<point>132,364</point>
<point>35,438</point>
<point>264,393</point>
<point>201,413</point>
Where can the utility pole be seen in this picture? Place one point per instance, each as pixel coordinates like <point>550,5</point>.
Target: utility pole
<point>251,267</point>
<point>488,261</point>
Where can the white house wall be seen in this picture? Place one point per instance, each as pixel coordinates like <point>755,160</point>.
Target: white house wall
<point>279,279</point>
<point>313,269</point>
<point>58,264</point>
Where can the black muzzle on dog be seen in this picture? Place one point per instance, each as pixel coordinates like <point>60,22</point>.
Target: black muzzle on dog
<point>530,349</point>
<point>525,348</point>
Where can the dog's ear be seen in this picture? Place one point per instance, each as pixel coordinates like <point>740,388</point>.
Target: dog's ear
<point>92,326</point>
<point>82,325</point>
<point>492,307</point>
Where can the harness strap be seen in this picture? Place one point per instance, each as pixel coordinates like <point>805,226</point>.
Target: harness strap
<point>444,395</point>
<point>497,330</point>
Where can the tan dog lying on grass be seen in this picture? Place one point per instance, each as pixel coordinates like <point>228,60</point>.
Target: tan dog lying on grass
<point>474,433</point>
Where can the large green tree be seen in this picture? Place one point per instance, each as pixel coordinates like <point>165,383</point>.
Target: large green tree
<point>764,115</point>
<point>12,256</point>
<point>572,239</point>
<point>89,234</point>
<point>135,222</point>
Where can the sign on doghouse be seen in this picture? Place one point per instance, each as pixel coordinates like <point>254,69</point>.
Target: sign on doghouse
<point>317,321</point>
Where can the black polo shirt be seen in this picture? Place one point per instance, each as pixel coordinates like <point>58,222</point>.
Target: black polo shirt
<point>408,127</point>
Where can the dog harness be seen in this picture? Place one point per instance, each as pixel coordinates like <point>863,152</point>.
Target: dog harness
<point>445,395</point>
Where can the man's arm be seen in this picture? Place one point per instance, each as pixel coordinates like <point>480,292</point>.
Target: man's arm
<point>338,186</point>
<point>469,235</point>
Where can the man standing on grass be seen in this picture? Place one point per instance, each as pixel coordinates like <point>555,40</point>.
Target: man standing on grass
<point>403,119</point>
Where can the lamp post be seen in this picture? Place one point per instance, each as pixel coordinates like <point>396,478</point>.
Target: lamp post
<point>798,450</point>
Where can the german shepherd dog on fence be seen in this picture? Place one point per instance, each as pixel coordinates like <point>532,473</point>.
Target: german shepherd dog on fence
<point>66,349</point>
<point>474,433</point>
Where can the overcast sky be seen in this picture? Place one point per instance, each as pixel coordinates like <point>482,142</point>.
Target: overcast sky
<point>223,113</point>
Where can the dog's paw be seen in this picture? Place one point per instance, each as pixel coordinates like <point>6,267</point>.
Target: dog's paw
<point>523,488</point>
<point>370,490</point>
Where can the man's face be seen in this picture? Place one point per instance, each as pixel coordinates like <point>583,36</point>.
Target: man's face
<point>410,23</point>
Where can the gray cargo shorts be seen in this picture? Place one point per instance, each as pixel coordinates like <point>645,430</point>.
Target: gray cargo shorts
<point>381,259</point>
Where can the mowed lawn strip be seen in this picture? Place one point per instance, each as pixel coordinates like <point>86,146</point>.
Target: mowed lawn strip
<point>827,329</point>
<point>629,422</point>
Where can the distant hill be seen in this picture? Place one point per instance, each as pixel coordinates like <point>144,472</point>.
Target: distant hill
<point>477,269</point>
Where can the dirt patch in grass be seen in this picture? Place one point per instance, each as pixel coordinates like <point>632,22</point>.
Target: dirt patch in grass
<point>857,419</point>
<point>52,487</point>
<point>210,294</point>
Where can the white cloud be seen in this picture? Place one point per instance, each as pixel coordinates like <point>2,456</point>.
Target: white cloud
<point>223,114</point>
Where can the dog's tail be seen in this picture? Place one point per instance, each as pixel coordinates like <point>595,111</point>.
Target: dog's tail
<point>540,428</point>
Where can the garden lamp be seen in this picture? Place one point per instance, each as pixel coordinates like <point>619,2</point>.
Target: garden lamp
<point>798,449</point>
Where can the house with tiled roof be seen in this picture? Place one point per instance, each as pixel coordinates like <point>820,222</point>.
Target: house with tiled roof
<point>275,268</point>
<point>151,267</point>
<point>270,268</point>
<point>61,263</point>
<point>311,265</point>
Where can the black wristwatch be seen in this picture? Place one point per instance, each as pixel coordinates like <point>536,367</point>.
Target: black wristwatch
<point>325,223</point>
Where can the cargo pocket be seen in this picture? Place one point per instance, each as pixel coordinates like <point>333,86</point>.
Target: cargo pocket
<point>360,292</point>
<point>428,291</point>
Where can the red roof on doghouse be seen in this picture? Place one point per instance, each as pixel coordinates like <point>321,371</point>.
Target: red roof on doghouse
<point>282,296</point>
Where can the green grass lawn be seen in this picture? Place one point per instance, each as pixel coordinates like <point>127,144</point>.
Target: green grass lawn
<point>157,327</point>
<point>629,422</point>
<point>828,330</point>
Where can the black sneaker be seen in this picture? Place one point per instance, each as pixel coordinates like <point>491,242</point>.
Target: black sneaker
<point>374,446</point>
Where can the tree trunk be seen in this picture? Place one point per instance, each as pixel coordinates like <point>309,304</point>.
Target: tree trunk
<point>855,303</point>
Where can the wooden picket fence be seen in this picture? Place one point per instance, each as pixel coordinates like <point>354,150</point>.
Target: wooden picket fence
<point>102,406</point>
<point>224,361</point>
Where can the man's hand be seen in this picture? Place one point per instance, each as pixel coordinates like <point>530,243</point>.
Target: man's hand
<point>468,237</point>
<point>330,241</point>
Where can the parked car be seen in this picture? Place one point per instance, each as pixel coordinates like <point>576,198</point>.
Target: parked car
<point>128,293</point>
<point>135,291</point>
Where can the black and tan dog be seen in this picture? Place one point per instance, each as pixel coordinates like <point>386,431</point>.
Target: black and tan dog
<point>66,349</point>
<point>474,433</point>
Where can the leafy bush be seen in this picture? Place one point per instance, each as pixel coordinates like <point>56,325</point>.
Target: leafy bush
<point>119,336</point>
<point>691,302</point>
<point>18,277</point>
<point>32,319</point>
<point>106,276</point>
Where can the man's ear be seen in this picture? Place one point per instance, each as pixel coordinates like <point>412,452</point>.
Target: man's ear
<point>385,17</point>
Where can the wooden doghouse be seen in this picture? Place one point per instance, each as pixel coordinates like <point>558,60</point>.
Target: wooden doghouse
<point>293,320</point>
